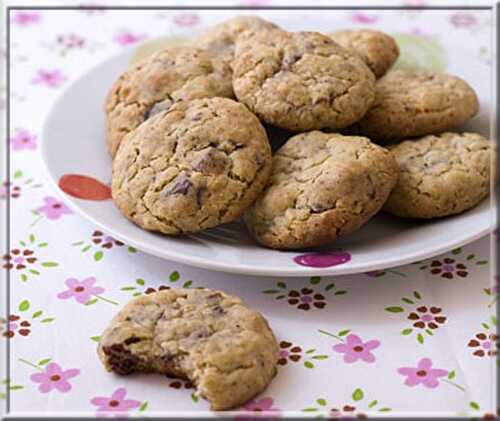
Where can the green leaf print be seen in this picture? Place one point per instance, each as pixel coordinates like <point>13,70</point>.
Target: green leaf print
<point>98,255</point>
<point>474,405</point>
<point>420,338</point>
<point>406,331</point>
<point>36,314</point>
<point>49,264</point>
<point>308,364</point>
<point>143,407</point>
<point>24,305</point>
<point>394,309</point>
<point>417,295</point>
<point>174,276</point>
<point>321,402</point>
<point>315,280</point>
<point>95,338</point>
<point>343,332</point>
<point>44,361</point>
<point>451,374</point>
<point>357,395</point>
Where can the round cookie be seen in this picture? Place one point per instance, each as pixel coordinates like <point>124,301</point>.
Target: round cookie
<point>220,39</point>
<point>301,81</point>
<point>410,104</point>
<point>323,186</point>
<point>213,339</point>
<point>377,49</point>
<point>168,76</point>
<point>198,165</point>
<point>440,175</point>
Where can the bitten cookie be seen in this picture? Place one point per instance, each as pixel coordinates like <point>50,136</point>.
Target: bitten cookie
<point>212,339</point>
<point>195,166</point>
<point>168,76</point>
<point>301,81</point>
<point>220,39</point>
<point>440,175</point>
<point>377,49</point>
<point>323,185</point>
<point>410,104</point>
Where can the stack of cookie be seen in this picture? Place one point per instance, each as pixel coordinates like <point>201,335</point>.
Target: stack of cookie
<point>189,127</point>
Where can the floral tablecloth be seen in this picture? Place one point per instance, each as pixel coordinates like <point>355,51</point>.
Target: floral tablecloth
<point>413,340</point>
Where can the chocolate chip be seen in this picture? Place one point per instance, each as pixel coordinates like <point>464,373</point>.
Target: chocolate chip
<point>120,359</point>
<point>218,311</point>
<point>131,340</point>
<point>181,186</point>
<point>290,60</point>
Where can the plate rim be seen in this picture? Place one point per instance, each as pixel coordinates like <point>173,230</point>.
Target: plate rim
<point>226,266</point>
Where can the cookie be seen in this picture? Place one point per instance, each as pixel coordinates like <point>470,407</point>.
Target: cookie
<point>323,186</point>
<point>168,76</point>
<point>410,104</point>
<point>440,175</point>
<point>224,348</point>
<point>220,39</point>
<point>197,165</point>
<point>300,81</point>
<point>377,49</point>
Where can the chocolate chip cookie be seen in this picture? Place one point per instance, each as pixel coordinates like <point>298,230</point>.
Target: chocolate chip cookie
<point>197,165</point>
<point>440,175</point>
<point>220,39</point>
<point>377,49</point>
<point>300,81</point>
<point>410,104</point>
<point>212,339</point>
<point>166,77</point>
<point>323,186</point>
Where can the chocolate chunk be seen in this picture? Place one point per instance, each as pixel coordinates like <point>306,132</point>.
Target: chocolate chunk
<point>120,359</point>
<point>131,340</point>
<point>181,186</point>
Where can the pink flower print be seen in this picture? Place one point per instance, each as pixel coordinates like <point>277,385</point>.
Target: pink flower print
<point>81,291</point>
<point>355,349</point>
<point>260,408</point>
<point>54,377</point>
<point>25,18</point>
<point>125,38</point>
<point>53,208</point>
<point>463,20</point>
<point>186,19</point>
<point>51,78</point>
<point>115,403</point>
<point>360,17</point>
<point>422,374</point>
<point>23,139</point>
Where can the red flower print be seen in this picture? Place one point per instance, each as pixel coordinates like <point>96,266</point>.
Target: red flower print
<point>51,78</point>
<point>306,297</point>
<point>23,139</point>
<point>81,291</point>
<point>288,351</point>
<point>25,18</point>
<point>14,190</point>
<point>422,374</point>
<point>448,267</point>
<point>19,259</point>
<point>463,20</point>
<point>54,377</point>
<point>105,241</point>
<point>115,403</point>
<point>427,318</point>
<point>484,344</point>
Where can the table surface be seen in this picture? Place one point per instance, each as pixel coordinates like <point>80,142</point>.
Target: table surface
<point>425,329</point>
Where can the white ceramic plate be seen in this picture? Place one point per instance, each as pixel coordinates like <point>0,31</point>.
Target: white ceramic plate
<point>73,143</point>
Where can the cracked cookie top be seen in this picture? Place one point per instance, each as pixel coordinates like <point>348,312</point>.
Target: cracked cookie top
<point>300,81</point>
<point>154,84</point>
<point>377,49</point>
<point>213,339</point>
<point>409,104</point>
<point>195,166</point>
<point>440,175</point>
<point>220,39</point>
<point>323,185</point>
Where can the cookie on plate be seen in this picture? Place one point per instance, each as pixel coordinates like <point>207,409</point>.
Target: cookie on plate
<point>377,49</point>
<point>323,186</point>
<point>220,39</point>
<point>301,81</point>
<point>410,104</point>
<point>224,348</point>
<point>440,175</point>
<point>195,166</point>
<point>168,76</point>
